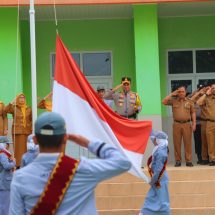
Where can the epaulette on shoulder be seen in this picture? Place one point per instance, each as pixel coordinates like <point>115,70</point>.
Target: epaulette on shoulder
<point>189,100</point>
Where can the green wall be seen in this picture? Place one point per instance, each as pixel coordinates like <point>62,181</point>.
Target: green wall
<point>26,58</point>
<point>10,55</point>
<point>147,58</point>
<point>183,33</point>
<point>81,35</point>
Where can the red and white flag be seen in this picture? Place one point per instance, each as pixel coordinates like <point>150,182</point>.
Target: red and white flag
<point>86,114</point>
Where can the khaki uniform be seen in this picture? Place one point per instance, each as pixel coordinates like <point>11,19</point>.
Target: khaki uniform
<point>182,111</point>
<point>203,133</point>
<point>210,126</point>
<point>125,103</point>
<point>3,120</point>
<point>45,104</point>
<point>19,132</point>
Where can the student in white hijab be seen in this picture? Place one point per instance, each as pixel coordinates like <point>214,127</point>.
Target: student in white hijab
<point>32,151</point>
<point>157,199</point>
<point>7,165</point>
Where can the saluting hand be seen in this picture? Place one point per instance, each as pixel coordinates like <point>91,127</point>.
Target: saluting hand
<point>174,93</point>
<point>80,140</point>
<point>208,92</point>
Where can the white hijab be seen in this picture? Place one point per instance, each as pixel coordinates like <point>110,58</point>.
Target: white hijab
<point>160,143</point>
<point>3,146</point>
<point>31,146</point>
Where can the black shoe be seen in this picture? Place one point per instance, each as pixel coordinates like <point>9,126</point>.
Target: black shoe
<point>204,162</point>
<point>178,163</point>
<point>199,161</point>
<point>189,164</point>
<point>212,163</point>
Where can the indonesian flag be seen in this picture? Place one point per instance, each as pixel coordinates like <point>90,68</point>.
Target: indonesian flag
<point>86,114</point>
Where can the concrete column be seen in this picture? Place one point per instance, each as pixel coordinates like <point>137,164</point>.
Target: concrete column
<point>147,64</point>
<point>10,56</point>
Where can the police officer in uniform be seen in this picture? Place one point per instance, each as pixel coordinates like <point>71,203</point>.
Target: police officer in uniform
<point>183,113</point>
<point>127,103</point>
<point>208,99</point>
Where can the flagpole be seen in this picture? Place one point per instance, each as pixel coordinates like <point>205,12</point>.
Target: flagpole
<point>33,62</point>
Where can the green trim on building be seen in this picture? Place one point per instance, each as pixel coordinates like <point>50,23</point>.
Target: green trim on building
<point>10,56</point>
<point>147,58</point>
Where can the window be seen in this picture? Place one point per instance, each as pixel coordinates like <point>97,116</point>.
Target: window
<point>97,64</point>
<point>189,68</point>
<point>91,64</point>
<point>180,62</point>
<point>205,61</point>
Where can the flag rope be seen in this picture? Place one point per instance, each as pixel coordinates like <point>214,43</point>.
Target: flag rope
<point>55,16</point>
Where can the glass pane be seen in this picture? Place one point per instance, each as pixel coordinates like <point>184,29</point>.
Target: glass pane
<point>97,64</point>
<point>205,61</point>
<point>206,82</point>
<point>175,84</point>
<point>180,62</point>
<point>76,57</point>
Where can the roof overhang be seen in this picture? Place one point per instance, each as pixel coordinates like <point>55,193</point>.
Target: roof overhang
<point>90,2</point>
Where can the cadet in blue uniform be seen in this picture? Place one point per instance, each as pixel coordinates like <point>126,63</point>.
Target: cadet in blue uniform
<point>32,151</point>
<point>29,182</point>
<point>7,164</point>
<point>157,199</point>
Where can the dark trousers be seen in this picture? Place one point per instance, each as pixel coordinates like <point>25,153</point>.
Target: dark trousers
<point>198,142</point>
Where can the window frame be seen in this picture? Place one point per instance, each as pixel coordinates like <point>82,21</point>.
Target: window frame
<point>186,76</point>
<point>81,62</point>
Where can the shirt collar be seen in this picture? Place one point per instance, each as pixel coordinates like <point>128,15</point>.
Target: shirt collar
<point>48,154</point>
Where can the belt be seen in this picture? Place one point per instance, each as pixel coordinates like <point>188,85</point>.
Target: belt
<point>182,121</point>
<point>210,120</point>
<point>133,116</point>
<point>202,119</point>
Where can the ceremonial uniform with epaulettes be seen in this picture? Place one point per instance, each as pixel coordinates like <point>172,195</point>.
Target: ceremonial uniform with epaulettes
<point>182,110</point>
<point>127,104</point>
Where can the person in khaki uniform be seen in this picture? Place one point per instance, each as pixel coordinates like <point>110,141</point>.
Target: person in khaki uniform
<point>3,120</point>
<point>197,133</point>
<point>183,113</point>
<point>208,99</point>
<point>203,121</point>
<point>46,103</point>
<point>21,127</point>
<point>127,103</point>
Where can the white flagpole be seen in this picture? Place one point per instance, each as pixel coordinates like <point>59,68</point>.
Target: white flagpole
<point>33,62</point>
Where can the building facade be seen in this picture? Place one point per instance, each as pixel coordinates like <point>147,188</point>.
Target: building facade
<point>159,44</point>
